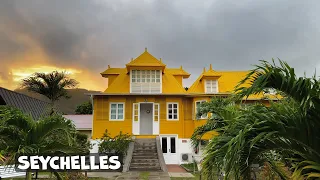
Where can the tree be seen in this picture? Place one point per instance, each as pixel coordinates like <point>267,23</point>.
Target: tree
<point>84,108</point>
<point>281,136</point>
<point>22,135</point>
<point>52,85</point>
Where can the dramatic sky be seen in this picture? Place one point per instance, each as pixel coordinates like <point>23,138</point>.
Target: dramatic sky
<point>83,37</point>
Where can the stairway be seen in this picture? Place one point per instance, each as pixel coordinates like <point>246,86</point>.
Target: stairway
<point>145,156</point>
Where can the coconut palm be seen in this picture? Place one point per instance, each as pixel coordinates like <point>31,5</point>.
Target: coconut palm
<point>22,135</point>
<point>283,136</point>
<point>52,85</point>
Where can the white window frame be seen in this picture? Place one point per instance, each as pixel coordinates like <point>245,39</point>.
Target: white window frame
<point>196,110</point>
<point>177,103</point>
<point>211,88</point>
<point>110,119</point>
<point>146,83</point>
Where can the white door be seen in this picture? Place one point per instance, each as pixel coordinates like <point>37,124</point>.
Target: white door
<point>169,149</point>
<point>136,119</point>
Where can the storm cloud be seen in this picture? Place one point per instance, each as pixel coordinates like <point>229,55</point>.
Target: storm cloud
<point>229,34</point>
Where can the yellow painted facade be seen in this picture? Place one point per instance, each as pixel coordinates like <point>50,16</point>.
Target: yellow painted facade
<point>172,91</point>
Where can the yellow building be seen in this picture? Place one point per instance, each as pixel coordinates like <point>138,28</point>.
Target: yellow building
<point>146,98</point>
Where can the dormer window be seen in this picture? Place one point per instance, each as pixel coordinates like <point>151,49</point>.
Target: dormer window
<point>211,86</point>
<point>145,81</point>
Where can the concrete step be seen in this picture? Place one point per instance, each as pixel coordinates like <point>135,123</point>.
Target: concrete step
<point>144,154</point>
<point>145,164</point>
<point>144,151</point>
<point>145,157</point>
<point>145,160</point>
<point>145,147</point>
<point>145,168</point>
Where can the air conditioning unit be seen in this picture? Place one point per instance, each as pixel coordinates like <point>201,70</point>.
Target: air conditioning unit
<point>185,157</point>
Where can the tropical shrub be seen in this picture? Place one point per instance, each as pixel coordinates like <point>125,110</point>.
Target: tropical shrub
<point>21,135</point>
<point>283,137</point>
<point>84,108</point>
<point>118,144</point>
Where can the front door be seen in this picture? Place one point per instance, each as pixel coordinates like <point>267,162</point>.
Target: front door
<point>169,149</point>
<point>146,118</point>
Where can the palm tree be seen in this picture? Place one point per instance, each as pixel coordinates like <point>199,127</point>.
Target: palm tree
<point>52,85</point>
<point>22,135</point>
<point>283,136</point>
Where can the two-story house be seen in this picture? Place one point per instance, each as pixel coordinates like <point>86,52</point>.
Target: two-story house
<point>147,99</point>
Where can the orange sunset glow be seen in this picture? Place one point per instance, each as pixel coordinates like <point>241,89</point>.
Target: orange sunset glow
<point>87,80</point>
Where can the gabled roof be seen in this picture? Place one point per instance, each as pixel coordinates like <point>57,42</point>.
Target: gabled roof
<point>178,72</point>
<point>35,107</point>
<point>145,60</point>
<point>227,80</point>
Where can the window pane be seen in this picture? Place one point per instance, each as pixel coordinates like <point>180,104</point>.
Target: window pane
<point>170,105</point>
<point>113,116</point>
<point>120,105</point>
<point>170,116</point>
<point>152,80</point>
<point>175,111</point>
<point>133,80</point>
<point>120,116</point>
<point>170,111</point>
<point>164,144</point>
<point>113,106</point>
<point>175,105</point>
<point>158,80</point>
<point>175,116</point>
<point>113,111</point>
<point>173,144</point>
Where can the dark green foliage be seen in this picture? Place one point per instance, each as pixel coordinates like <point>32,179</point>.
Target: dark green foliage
<point>52,85</point>
<point>118,144</point>
<point>84,108</point>
<point>21,135</point>
<point>283,137</point>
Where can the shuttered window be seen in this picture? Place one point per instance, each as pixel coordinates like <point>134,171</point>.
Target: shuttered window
<point>145,81</point>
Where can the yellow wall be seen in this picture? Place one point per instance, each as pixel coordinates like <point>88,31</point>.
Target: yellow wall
<point>184,126</point>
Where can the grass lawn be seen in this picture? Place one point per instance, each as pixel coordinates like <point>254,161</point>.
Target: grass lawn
<point>144,175</point>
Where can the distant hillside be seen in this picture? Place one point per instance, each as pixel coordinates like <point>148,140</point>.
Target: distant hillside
<point>66,106</point>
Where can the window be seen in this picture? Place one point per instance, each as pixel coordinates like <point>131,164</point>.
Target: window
<point>198,103</point>
<point>211,86</point>
<point>145,76</point>
<point>117,111</point>
<point>172,111</point>
<point>145,81</point>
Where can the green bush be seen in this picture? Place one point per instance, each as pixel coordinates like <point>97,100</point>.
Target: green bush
<point>118,144</point>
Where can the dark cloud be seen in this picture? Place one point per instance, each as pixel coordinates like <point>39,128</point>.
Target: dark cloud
<point>229,34</point>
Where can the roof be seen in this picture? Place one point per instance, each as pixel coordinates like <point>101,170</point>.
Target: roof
<point>81,121</point>
<point>228,80</point>
<point>178,72</point>
<point>35,107</point>
<point>112,71</point>
<point>145,60</point>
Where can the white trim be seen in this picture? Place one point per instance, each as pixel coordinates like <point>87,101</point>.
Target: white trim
<point>195,109</point>
<point>123,103</point>
<point>167,110</point>
<point>156,124</point>
<point>160,81</point>
<point>130,81</point>
<point>135,124</point>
